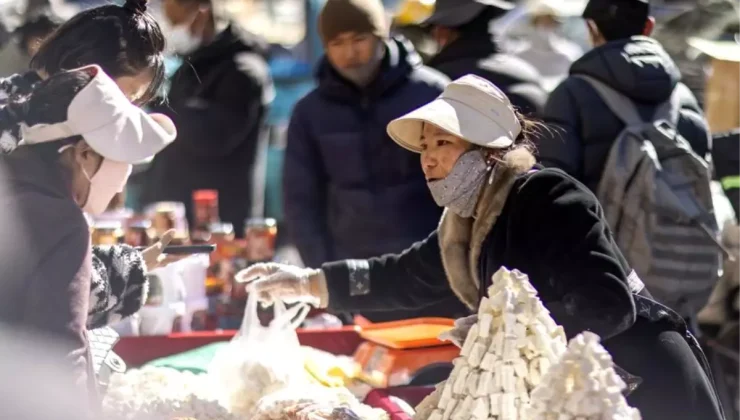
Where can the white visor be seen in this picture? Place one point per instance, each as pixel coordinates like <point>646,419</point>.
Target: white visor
<point>112,126</point>
<point>471,108</point>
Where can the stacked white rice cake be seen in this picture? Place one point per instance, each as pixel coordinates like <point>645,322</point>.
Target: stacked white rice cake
<point>505,354</point>
<point>582,386</point>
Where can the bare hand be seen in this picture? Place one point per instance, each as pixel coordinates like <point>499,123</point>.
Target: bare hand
<point>153,257</point>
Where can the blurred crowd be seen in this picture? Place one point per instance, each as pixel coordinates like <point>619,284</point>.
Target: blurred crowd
<point>292,128</point>
<point>277,130</point>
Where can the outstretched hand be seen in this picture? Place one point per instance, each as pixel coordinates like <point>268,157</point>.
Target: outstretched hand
<point>154,257</point>
<point>273,281</point>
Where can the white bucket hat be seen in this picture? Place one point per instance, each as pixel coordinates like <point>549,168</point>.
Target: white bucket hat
<point>113,127</point>
<point>471,108</point>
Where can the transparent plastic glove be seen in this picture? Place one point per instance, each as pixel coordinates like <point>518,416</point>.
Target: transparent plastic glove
<point>291,284</point>
<point>458,333</point>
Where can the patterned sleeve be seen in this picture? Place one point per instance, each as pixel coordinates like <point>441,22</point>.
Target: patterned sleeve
<point>119,285</point>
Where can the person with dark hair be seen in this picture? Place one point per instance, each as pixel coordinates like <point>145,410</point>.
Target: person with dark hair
<point>628,81</point>
<point>349,192</point>
<point>501,209</point>
<point>125,41</point>
<point>80,136</point>
<point>467,46</point>
<point>219,100</point>
<point>627,60</point>
<point>32,33</point>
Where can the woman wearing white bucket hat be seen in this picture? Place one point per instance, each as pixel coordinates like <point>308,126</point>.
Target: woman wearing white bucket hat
<point>502,210</point>
<point>80,136</point>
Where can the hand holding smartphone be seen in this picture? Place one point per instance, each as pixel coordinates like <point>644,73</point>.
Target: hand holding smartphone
<point>186,249</point>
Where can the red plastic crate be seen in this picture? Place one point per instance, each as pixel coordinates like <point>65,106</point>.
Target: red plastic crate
<point>136,351</point>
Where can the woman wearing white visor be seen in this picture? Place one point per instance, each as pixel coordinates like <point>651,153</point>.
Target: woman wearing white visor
<point>503,210</point>
<point>80,136</point>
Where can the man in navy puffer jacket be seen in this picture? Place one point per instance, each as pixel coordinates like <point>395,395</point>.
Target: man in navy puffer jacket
<point>349,190</point>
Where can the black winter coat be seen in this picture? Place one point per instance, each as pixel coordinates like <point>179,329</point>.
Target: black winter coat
<point>582,126</point>
<point>45,261</point>
<point>552,228</point>
<point>218,101</point>
<point>478,54</point>
<point>349,190</point>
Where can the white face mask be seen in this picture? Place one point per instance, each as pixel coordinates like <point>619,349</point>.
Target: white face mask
<point>105,183</point>
<point>109,180</point>
<point>179,38</point>
<point>459,190</point>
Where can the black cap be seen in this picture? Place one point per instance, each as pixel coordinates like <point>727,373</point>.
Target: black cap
<point>603,10</point>
<point>454,13</point>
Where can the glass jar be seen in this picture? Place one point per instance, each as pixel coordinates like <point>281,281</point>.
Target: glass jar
<point>221,232</point>
<point>107,232</point>
<point>166,215</point>
<point>139,233</point>
<point>205,209</point>
<point>260,235</point>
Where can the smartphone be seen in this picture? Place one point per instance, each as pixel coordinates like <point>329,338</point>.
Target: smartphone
<point>186,249</point>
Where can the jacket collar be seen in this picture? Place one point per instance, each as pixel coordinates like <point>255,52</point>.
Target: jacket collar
<point>461,239</point>
<point>474,46</point>
<point>230,41</point>
<point>399,62</point>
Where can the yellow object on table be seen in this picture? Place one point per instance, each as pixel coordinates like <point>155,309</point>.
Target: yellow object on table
<point>329,370</point>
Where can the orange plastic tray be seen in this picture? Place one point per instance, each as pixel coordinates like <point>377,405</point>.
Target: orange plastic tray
<point>408,333</point>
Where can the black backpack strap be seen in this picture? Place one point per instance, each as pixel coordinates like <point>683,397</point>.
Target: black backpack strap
<point>619,104</point>
<point>670,109</point>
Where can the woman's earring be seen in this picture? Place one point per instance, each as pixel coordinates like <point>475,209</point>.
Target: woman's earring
<point>490,163</point>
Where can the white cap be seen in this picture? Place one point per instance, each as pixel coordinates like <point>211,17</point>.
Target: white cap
<point>113,127</point>
<point>471,108</point>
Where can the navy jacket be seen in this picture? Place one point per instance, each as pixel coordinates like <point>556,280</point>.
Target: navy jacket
<point>349,190</point>
<point>583,128</point>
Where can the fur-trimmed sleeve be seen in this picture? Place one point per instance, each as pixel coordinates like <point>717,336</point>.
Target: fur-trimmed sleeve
<point>119,284</point>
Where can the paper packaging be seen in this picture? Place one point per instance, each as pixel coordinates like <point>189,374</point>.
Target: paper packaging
<point>722,93</point>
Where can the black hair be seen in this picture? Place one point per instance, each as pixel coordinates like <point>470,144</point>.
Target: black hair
<point>122,40</point>
<point>48,103</point>
<point>36,27</point>
<point>618,19</point>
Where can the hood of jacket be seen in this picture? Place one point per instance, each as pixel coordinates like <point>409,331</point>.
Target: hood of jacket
<point>400,60</point>
<point>638,67</point>
<point>36,168</point>
<point>232,40</point>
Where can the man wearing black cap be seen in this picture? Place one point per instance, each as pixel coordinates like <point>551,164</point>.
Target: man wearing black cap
<point>350,191</point>
<point>628,61</point>
<point>461,29</point>
<point>583,131</point>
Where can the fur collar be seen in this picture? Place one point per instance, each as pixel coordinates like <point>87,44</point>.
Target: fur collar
<point>461,239</point>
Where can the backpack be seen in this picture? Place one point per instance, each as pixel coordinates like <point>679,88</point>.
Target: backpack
<point>657,199</point>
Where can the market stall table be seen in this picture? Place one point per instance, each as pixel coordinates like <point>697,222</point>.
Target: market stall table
<point>136,351</point>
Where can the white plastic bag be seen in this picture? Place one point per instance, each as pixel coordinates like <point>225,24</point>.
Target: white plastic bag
<point>259,360</point>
